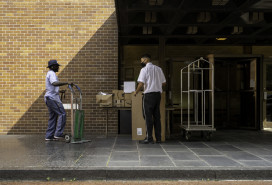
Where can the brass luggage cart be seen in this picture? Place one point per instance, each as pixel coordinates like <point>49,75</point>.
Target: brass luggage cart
<point>197,98</point>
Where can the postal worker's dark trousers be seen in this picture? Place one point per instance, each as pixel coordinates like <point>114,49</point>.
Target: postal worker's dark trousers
<point>151,110</point>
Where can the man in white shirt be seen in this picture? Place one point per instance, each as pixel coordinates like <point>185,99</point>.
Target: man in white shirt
<point>57,114</point>
<point>152,79</point>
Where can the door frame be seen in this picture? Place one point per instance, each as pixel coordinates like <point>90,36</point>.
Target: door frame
<point>263,100</point>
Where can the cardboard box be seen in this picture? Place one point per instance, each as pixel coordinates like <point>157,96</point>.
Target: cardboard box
<point>128,101</point>
<point>119,103</point>
<point>104,100</point>
<point>121,99</point>
<point>118,94</point>
<point>118,98</point>
<point>138,122</point>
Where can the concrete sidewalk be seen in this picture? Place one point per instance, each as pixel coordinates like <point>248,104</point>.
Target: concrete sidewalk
<point>156,182</point>
<point>230,155</point>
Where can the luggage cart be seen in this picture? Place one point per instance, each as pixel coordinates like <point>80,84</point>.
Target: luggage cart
<point>77,118</point>
<point>199,89</point>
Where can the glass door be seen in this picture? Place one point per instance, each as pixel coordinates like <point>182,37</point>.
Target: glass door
<point>267,100</point>
<point>235,93</point>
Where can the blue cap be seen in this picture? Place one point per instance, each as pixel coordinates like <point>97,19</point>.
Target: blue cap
<point>52,62</point>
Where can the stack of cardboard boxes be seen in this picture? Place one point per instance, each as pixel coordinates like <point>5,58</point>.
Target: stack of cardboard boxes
<point>117,99</point>
<point>121,99</point>
<point>104,100</point>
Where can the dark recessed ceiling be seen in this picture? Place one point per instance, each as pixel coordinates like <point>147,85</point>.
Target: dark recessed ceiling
<point>200,22</point>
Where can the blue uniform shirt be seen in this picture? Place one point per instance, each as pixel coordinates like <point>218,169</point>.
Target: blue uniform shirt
<point>51,91</point>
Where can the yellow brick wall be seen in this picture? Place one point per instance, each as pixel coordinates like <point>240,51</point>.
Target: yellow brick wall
<point>81,34</point>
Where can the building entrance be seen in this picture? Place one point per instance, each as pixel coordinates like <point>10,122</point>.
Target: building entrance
<point>235,93</point>
<point>267,94</point>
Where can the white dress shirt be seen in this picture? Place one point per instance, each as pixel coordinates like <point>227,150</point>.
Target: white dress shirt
<point>152,76</point>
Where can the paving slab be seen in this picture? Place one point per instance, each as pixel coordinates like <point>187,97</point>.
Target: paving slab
<point>114,182</point>
<point>232,154</point>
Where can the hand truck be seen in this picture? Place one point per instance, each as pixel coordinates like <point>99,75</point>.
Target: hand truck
<point>77,118</point>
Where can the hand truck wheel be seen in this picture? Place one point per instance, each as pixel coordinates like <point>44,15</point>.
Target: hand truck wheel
<point>67,138</point>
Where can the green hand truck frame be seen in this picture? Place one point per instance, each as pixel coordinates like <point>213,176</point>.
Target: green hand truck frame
<point>77,118</point>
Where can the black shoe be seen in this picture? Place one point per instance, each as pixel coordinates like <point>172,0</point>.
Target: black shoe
<point>158,142</point>
<point>146,141</point>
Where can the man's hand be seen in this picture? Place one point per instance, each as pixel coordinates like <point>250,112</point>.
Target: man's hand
<point>71,84</point>
<point>134,93</point>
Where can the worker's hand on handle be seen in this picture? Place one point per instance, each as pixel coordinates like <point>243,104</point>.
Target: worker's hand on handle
<point>135,93</point>
<point>71,84</point>
<point>139,87</point>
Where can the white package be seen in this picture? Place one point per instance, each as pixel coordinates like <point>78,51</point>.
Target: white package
<point>129,86</point>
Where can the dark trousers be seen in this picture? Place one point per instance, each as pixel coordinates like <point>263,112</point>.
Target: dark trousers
<point>57,118</point>
<point>151,110</point>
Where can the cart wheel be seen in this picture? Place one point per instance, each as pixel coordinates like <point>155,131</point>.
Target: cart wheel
<point>209,136</point>
<point>67,138</point>
<point>188,136</point>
